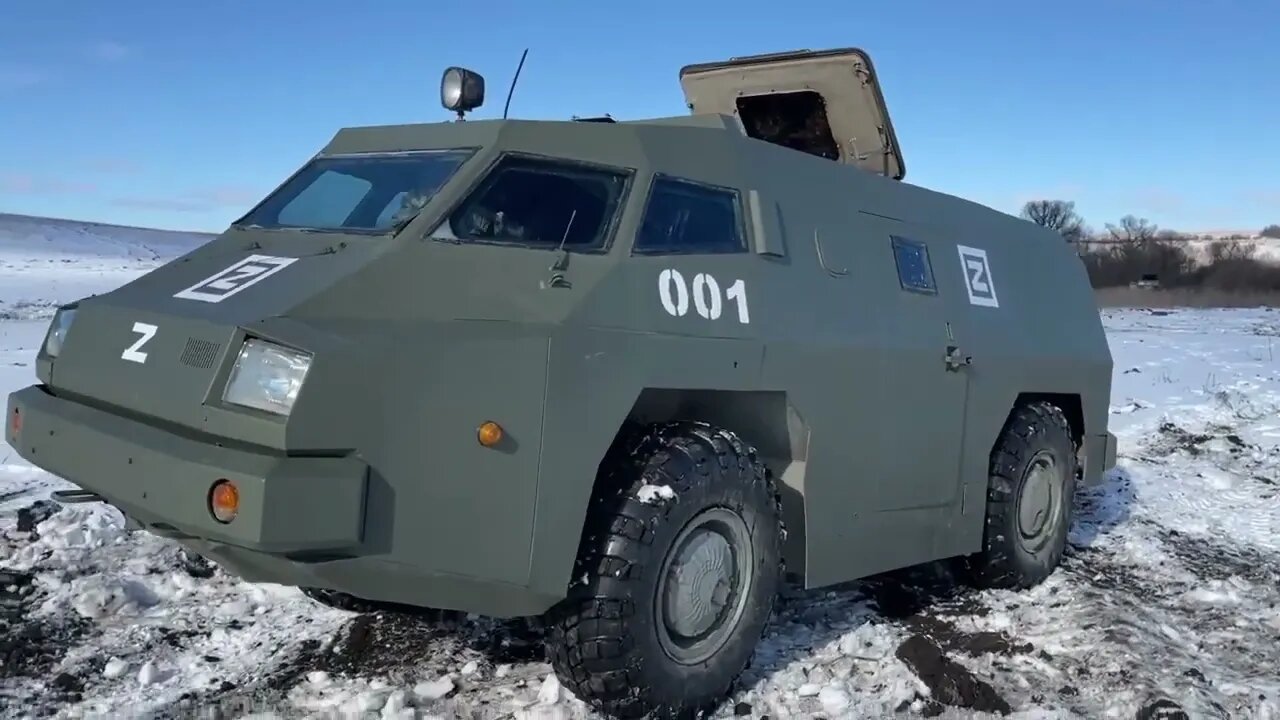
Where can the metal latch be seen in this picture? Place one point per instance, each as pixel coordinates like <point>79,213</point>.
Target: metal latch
<point>955,360</point>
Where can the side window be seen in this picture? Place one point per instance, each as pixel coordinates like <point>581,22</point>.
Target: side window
<point>915,272</point>
<point>536,202</point>
<point>687,217</point>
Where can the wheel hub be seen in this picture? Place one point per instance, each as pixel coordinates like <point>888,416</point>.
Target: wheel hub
<point>703,585</point>
<point>701,578</point>
<point>1038,503</point>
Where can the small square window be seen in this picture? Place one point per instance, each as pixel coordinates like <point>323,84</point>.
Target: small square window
<point>688,217</point>
<point>915,273</point>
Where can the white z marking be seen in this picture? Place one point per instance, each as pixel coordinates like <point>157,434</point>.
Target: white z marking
<point>977,276</point>
<point>231,280</point>
<point>134,353</point>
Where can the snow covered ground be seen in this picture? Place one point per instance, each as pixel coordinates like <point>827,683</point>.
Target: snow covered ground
<point>44,261</point>
<point>1169,598</point>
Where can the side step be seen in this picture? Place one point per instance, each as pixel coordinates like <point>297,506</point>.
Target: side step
<point>71,497</point>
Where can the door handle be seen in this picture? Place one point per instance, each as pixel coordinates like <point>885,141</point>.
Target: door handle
<point>954,360</point>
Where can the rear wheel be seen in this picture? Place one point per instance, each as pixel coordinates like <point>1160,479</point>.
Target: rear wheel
<point>676,576</point>
<point>1029,499</point>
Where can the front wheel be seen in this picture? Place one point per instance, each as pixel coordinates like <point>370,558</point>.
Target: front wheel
<point>676,577</point>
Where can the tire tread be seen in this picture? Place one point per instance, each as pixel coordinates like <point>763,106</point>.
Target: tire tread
<point>589,643</point>
<point>1029,425</point>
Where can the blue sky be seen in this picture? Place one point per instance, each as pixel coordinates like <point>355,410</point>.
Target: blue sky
<point>182,114</point>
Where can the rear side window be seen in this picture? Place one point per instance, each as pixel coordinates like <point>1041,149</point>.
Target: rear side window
<point>915,272</point>
<point>687,217</point>
<point>537,202</point>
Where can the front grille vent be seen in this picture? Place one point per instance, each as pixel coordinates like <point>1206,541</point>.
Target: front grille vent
<point>199,353</point>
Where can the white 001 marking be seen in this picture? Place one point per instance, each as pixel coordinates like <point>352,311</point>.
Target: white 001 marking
<point>134,353</point>
<point>236,277</point>
<point>708,299</point>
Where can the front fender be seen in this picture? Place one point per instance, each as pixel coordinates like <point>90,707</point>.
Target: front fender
<point>594,378</point>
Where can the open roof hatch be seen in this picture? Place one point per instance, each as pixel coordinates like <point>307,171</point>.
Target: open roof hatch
<point>823,102</point>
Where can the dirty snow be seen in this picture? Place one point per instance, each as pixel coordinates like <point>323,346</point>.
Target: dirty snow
<point>651,494</point>
<point>1169,597</point>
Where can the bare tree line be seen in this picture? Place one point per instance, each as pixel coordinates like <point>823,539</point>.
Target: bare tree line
<point>1135,248</point>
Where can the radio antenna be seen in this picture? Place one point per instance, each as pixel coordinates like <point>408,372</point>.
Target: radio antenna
<point>512,89</point>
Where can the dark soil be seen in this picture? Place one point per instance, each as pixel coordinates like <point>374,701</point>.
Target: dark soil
<point>30,649</point>
<point>949,683</point>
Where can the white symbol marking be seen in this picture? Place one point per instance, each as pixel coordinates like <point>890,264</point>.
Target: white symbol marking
<point>134,353</point>
<point>708,299</point>
<point>706,296</point>
<point>737,292</point>
<point>978,281</point>
<point>231,280</point>
<point>671,281</point>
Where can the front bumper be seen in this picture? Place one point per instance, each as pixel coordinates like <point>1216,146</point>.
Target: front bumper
<point>162,480</point>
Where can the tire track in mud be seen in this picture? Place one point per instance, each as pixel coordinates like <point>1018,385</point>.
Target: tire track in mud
<point>395,650</point>
<point>1163,634</point>
<point>402,649</point>
<point>1187,624</point>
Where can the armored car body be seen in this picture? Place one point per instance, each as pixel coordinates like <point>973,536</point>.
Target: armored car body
<point>624,377</point>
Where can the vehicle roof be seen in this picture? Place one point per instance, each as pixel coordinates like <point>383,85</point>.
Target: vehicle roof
<point>486,132</point>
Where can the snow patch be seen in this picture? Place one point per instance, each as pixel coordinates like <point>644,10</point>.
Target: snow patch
<point>651,494</point>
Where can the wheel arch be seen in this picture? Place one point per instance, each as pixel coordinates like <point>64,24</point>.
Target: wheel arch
<point>1071,405</point>
<point>766,420</point>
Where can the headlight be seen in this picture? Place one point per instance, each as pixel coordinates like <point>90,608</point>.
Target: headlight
<point>267,376</point>
<point>58,331</point>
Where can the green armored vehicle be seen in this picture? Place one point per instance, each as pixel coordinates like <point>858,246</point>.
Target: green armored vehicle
<point>616,376</point>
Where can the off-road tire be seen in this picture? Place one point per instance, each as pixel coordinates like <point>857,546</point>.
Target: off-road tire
<point>1033,431</point>
<point>603,638</point>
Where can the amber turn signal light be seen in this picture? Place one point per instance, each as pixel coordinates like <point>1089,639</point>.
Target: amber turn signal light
<point>224,501</point>
<point>489,433</point>
<point>15,422</point>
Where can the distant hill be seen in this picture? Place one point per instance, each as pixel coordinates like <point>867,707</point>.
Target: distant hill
<point>48,261</point>
<point>55,238</point>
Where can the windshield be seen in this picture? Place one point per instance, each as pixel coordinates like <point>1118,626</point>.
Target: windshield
<point>538,202</point>
<point>357,193</point>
